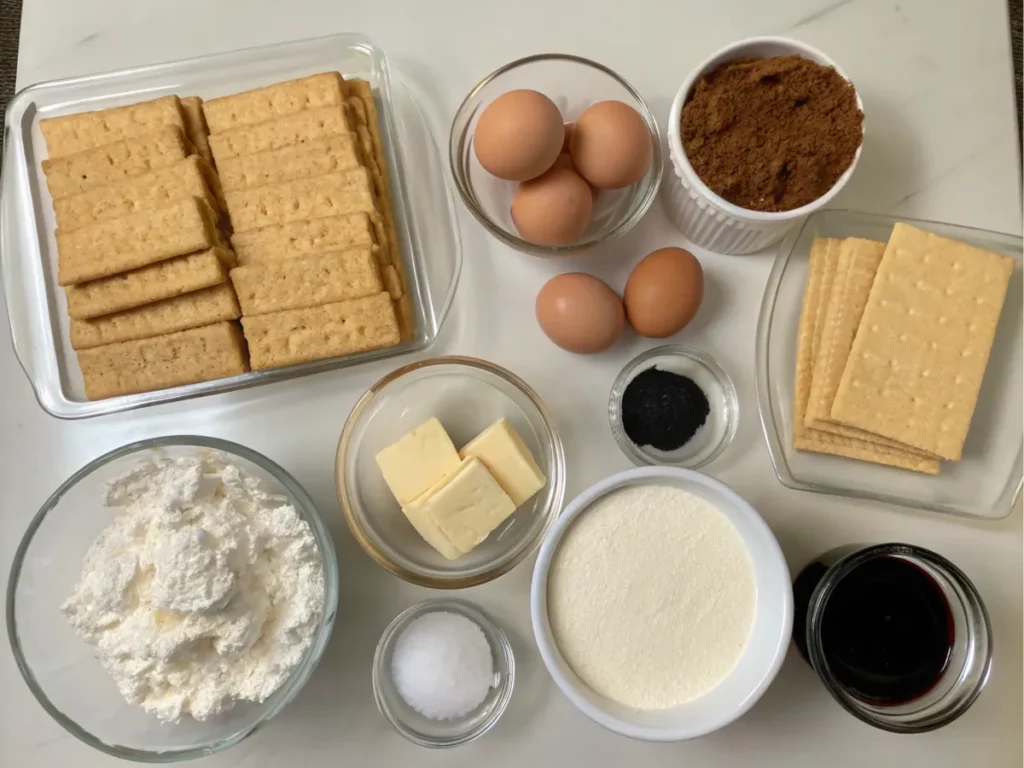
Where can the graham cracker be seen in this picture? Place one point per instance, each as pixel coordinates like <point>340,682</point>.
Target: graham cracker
<point>195,126</point>
<point>210,305</point>
<point>213,351</point>
<point>392,282</point>
<point>86,130</point>
<point>144,238</point>
<point>843,306</point>
<point>91,168</point>
<point>823,258</point>
<point>306,282</point>
<point>331,194</point>
<point>316,333</point>
<point>920,354</point>
<point>273,101</point>
<point>302,238</point>
<point>360,98</point>
<point>299,128</point>
<point>335,153</point>
<point>149,191</point>
<point>156,282</point>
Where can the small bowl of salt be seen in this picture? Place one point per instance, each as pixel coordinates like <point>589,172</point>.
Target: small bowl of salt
<point>443,673</point>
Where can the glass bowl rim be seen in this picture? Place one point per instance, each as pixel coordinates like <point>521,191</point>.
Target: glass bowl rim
<point>502,565</point>
<point>290,687</point>
<point>478,616</point>
<point>655,173</point>
<point>699,356</point>
<point>816,610</point>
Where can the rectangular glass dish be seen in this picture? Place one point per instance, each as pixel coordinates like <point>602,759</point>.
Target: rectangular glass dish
<point>986,482</point>
<point>423,206</point>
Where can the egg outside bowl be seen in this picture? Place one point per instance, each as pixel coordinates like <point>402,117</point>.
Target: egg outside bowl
<point>573,83</point>
<point>61,669</point>
<point>467,395</point>
<point>723,416</point>
<point>704,217</point>
<point>440,734</point>
<point>761,658</point>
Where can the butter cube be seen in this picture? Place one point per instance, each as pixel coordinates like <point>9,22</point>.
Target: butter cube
<point>427,528</point>
<point>506,456</point>
<point>465,507</point>
<point>418,460</point>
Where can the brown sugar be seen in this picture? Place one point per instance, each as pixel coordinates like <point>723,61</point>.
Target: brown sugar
<point>771,134</point>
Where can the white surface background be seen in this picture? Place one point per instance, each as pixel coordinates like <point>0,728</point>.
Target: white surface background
<point>935,78</point>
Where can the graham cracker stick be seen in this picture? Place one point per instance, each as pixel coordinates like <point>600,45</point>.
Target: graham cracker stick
<point>99,167</point>
<point>273,101</point>
<point>68,134</point>
<point>144,238</point>
<point>214,351</point>
<point>316,333</point>
<point>324,278</point>
<point>210,305</point>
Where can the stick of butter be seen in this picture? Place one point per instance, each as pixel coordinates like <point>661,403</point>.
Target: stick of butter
<point>419,460</point>
<point>464,508</point>
<point>506,456</point>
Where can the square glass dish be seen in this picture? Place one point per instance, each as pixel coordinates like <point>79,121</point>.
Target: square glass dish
<point>424,210</point>
<point>986,482</point>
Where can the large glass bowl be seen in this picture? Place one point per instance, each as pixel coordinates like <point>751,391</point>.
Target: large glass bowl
<point>467,395</point>
<point>61,669</point>
<point>573,83</point>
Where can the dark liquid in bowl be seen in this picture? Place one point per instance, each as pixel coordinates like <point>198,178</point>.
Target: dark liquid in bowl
<point>886,631</point>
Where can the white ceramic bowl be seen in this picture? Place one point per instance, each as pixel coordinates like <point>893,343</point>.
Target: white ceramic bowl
<point>702,216</point>
<point>760,660</point>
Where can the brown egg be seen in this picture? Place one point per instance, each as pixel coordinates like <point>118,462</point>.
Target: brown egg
<point>610,145</point>
<point>580,313</point>
<point>664,292</point>
<point>519,135</point>
<point>553,209</point>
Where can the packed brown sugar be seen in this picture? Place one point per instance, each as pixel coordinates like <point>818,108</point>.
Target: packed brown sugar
<point>771,134</point>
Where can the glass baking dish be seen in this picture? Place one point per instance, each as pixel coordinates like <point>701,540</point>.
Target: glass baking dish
<point>423,206</point>
<point>987,481</point>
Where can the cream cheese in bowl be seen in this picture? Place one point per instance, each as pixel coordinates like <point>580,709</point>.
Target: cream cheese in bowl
<point>661,604</point>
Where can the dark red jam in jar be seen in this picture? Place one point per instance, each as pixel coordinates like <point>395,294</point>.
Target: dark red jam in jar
<point>898,635</point>
<point>887,631</point>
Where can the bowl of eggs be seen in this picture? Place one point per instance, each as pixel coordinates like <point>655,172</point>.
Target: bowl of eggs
<point>555,153</point>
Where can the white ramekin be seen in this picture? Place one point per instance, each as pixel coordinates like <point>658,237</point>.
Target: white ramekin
<point>757,665</point>
<point>703,217</point>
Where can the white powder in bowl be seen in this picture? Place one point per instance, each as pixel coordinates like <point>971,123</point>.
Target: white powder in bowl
<point>651,596</point>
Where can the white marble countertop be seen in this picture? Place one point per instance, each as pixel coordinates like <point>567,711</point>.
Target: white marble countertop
<point>936,83</point>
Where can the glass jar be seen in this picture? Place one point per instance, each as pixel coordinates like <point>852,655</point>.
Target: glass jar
<point>957,682</point>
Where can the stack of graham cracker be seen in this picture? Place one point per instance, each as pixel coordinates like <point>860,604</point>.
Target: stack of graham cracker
<point>893,344</point>
<point>306,187</point>
<point>140,255</point>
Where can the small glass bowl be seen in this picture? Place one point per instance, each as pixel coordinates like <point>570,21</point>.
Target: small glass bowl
<point>439,734</point>
<point>712,438</point>
<point>573,83</point>
<point>61,669</point>
<point>467,395</point>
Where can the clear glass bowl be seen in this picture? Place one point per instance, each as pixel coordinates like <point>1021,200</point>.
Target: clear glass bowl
<point>712,438</point>
<point>986,482</point>
<point>423,205</point>
<point>443,733</point>
<point>573,83</point>
<point>467,395</point>
<point>61,669</point>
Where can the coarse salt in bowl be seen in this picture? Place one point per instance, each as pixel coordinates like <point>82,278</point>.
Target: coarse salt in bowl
<point>704,217</point>
<point>760,659</point>
<point>441,732</point>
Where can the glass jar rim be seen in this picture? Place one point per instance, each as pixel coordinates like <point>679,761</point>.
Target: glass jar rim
<point>816,610</point>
